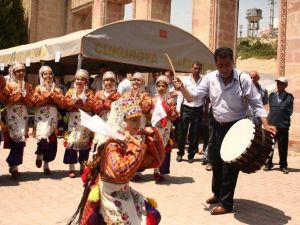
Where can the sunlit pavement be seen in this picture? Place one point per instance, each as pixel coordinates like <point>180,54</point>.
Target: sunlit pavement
<point>270,198</point>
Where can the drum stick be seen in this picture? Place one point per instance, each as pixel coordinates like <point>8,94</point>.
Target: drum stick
<point>170,63</point>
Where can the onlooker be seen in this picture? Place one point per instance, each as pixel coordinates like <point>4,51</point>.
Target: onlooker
<point>124,83</point>
<point>281,108</point>
<point>263,93</point>
<point>97,83</point>
<point>151,87</point>
<point>190,116</point>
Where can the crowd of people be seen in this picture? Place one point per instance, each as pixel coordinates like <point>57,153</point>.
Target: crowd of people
<point>167,113</point>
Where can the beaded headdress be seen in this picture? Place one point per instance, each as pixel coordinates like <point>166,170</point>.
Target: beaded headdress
<point>130,108</point>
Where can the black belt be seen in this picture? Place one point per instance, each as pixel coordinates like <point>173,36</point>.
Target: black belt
<point>188,107</point>
<point>225,124</point>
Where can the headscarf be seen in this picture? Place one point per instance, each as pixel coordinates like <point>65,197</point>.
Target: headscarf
<point>82,73</point>
<point>139,76</point>
<point>109,74</point>
<point>15,66</point>
<point>163,78</point>
<point>41,71</point>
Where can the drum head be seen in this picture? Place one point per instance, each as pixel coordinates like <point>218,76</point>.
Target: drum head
<point>237,140</point>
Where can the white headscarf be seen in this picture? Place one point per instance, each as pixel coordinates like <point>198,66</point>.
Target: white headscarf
<point>41,71</point>
<point>15,66</point>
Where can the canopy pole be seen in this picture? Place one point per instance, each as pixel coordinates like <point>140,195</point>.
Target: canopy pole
<point>79,62</point>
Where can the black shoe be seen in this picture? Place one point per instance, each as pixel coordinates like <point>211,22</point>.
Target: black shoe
<point>190,160</point>
<point>285,170</point>
<point>179,158</point>
<point>267,168</point>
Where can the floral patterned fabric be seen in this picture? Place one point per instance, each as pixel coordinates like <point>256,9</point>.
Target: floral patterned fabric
<point>121,205</point>
<point>79,136</point>
<point>45,121</point>
<point>17,121</point>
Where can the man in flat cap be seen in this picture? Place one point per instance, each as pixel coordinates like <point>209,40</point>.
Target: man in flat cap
<point>281,108</point>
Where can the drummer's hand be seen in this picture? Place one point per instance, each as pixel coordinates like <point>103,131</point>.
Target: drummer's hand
<point>177,84</point>
<point>271,129</point>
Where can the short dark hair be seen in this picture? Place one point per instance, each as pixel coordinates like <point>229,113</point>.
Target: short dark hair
<point>103,65</point>
<point>196,63</point>
<point>222,53</point>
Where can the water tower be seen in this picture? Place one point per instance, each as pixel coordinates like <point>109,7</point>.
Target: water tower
<point>253,16</point>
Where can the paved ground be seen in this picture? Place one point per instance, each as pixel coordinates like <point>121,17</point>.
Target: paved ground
<point>263,198</point>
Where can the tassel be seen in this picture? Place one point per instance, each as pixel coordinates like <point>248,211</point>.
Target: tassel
<point>152,202</point>
<point>94,195</point>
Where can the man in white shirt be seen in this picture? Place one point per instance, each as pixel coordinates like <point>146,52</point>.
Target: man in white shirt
<point>124,83</point>
<point>223,88</point>
<point>151,88</point>
<point>97,83</point>
<point>190,116</point>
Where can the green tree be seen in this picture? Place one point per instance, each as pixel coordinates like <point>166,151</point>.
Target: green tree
<point>13,25</point>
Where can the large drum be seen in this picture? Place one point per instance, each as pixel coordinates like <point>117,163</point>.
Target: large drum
<point>247,146</point>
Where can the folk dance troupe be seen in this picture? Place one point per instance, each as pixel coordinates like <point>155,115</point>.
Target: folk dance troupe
<point>107,164</point>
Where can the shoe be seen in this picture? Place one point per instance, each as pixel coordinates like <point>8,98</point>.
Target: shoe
<point>190,160</point>
<point>72,174</point>
<point>14,173</point>
<point>219,210</point>
<point>158,177</point>
<point>47,172</point>
<point>179,158</point>
<point>212,200</point>
<point>208,167</point>
<point>285,170</point>
<point>136,178</point>
<point>38,163</point>
<point>268,168</point>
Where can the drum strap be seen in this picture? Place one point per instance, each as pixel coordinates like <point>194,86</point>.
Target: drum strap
<point>244,100</point>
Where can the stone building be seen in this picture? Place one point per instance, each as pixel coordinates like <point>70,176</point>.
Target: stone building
<point>214,22</point>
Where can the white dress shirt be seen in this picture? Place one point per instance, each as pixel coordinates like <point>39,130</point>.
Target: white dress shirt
<point>151,88</point>
<point>124,86</point>
<point>190,84</point>
<point>227,102</point>
<point>97,83</point>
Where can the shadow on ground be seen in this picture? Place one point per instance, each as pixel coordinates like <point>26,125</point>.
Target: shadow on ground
<point>255,213</point>
<point>169,179</point>
<point>7,180</point>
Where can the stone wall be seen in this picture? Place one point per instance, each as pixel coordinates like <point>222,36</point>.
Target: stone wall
<point>292,62</point>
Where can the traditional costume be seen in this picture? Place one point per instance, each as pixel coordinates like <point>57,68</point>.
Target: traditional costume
<point>162,115</point>
<point>18,97</point>
<point>103,100</point>
<point>46,98</point>
<point>78,139</point>
<point>108,197</point>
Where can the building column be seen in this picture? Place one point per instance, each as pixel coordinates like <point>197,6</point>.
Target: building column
<point>105,12</point>
<point>288,56</point>
<point>218,28</point>
<point>151,9</point>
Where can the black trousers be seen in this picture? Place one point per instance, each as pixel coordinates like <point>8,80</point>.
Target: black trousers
<point>282,138</point>
<point>224,175</point>
<point>190,119</point>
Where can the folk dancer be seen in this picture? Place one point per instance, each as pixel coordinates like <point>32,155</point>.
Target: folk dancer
<point>109,197</point>
<point>78,140</point>
<point>47,98</point>
<point>163,125</point>
<point>18,97</point>
<point>104,98</point>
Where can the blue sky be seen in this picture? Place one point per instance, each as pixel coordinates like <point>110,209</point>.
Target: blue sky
<point>181,12</point>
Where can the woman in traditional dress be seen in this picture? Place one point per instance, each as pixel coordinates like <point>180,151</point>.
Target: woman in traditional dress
<point>47,98</point>
<point>108,198</point>
<point>104,98</point>
<point>18,97</point>
<point>78,140</point>
<point>163,125</point>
